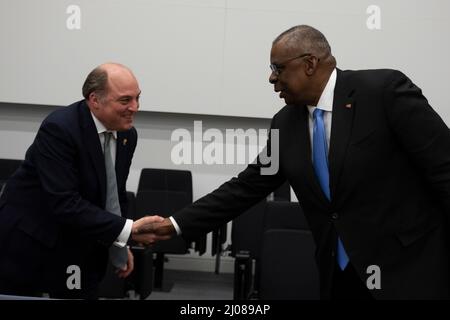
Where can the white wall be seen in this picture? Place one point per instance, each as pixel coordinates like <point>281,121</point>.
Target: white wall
<point>211,56</point>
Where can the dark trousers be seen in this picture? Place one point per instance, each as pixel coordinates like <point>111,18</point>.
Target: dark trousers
<point>348,286</point>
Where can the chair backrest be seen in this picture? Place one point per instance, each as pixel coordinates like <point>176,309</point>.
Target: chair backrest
<point>166,180</point>
<point>163,203</point>
<point>173,181</point>
<point>247,230</point>
<point>288,270</point>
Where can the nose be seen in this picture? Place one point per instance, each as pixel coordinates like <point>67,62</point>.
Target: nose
<point>134,106</point>
<point>273,78</point>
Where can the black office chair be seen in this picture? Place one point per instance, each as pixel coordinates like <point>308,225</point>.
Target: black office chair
<point>166,180</point>
<point>288,268</point>
<point>246,237</point>
<point>163,192</point>
<point>163,203</point>
<point>247,229</point>
<point>219,237</point>
<point>174,181</point>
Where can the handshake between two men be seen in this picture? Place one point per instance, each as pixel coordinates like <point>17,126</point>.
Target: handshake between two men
<point>147,230</point>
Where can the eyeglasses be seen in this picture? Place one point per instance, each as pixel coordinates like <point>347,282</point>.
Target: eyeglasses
<point>277,68</point>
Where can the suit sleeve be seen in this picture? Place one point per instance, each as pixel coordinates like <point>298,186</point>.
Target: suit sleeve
<point>421,132</point>
<point>56,160</point>
<point>230,199</point>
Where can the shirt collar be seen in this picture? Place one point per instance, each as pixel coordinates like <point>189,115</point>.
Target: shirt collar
<point>101,128</point>
<point>326,98</point>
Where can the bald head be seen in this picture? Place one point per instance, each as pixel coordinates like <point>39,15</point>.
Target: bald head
<point>304,38</point>
<point>99,79</point>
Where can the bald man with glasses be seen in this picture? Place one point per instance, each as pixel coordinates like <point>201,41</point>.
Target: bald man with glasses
<point>369,160</point>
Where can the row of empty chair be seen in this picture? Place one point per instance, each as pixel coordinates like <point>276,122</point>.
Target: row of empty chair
<point>274,252</point>
<point>271,243</point>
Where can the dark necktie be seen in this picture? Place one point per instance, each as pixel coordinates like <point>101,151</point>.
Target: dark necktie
<point>320,163</point>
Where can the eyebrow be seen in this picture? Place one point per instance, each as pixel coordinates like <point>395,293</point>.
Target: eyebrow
<point>128,96</point>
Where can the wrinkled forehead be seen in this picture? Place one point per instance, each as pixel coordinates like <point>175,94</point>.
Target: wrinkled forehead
<point>122,83</point>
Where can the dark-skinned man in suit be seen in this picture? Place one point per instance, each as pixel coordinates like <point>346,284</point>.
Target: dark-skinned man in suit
<point>383,198</point>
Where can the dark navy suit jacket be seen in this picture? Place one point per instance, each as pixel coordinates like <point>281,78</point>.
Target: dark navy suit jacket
<point>51,211</point>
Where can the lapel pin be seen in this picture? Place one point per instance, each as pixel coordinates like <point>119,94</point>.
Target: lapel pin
<point>348,105</point>
<point>124,142</point>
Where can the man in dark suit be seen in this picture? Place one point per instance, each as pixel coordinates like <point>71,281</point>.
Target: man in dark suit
<point>384,196</point>
<point>53,220</point>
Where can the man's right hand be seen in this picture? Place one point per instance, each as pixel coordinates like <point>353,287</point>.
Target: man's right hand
<point>164,228</point>
<point>143,230</point>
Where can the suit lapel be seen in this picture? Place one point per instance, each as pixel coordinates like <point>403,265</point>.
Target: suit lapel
<point>92,142</point>
<point>121,155</point>
<point>341,127</point>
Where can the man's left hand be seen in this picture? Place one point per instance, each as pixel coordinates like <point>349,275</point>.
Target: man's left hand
<point>125,272</point>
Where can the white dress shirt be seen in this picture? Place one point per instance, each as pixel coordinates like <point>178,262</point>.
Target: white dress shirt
<point>124,235</point>
<point>325,103</point>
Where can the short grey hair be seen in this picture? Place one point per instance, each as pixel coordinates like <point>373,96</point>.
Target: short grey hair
<point>307,38</point>
<point>96,81</point>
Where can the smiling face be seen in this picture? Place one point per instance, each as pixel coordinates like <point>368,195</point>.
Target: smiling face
<point>117,106</point>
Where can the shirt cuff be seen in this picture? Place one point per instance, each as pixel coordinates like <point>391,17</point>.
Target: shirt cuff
<point>124,235</point>
<point>176,226</point>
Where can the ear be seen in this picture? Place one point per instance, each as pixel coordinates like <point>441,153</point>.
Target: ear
<point>94,100</point>
<point>311,63</point>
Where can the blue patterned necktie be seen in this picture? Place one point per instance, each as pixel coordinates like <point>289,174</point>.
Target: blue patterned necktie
<point>117,255</point>
<point>320,163</point>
